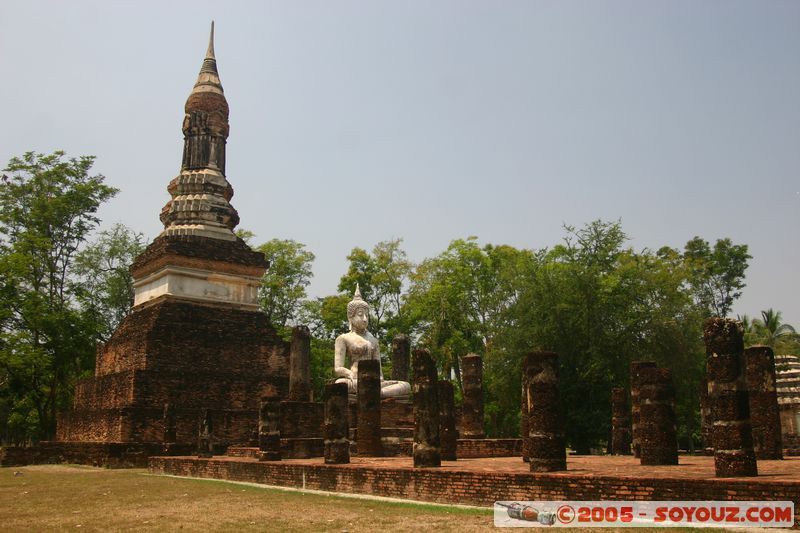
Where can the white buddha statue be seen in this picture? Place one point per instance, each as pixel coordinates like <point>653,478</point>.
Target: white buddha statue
<point>359,344</point>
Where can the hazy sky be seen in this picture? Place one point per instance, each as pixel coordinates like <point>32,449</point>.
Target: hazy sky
<point>356,122</point>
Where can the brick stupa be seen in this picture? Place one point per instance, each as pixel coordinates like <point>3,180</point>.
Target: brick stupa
<point>195,338</point>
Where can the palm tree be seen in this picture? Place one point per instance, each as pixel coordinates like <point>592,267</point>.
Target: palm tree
<point>772,329</point>
<point>750,329</point>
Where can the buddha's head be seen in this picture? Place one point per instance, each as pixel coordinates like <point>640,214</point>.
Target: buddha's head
<point>358,313</point>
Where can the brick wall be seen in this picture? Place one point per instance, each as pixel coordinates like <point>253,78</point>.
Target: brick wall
<point>469,448</point>
<point>110,454</point>
<point>191,356</point>
<point>475,488</point>
<point>192,338</point>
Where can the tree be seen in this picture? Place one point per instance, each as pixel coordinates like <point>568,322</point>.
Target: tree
<point>283,286</point>
<point>458,300</point>
<point>104,284</point>
<point>717,275</point>
<point>600,305</point>
<point>381,276</point>
<point>771,330</point>
<point>47,209</point>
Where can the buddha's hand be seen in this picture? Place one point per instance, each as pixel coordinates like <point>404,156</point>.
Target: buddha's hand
<point>343,372</point>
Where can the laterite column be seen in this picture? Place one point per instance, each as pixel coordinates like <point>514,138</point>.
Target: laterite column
<point>337,426</point>
<point>765,414</point>
<point>546,425</point>
<point>447,421</point>
<point>658,436</point>
<point>427,451</point>
<point>170,428</point>
<point>401,355</point>
<point>524,427</point>
<point>269,434</point>
<point>727,394</point>
<point>636,368</point>
<point>368,434</point>
<point>472,407</point>
<point>620,422</point>
<point>205,446</point>
<point>299,365</point>
<point>706,423</point>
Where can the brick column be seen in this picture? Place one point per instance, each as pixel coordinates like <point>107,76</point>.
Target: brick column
<point>546,425</point>
<point>658,437</point>
<point>447,421</point>
<point>205,446</point>
<point>706,423</point>
<point>299,365</point>
<point>472,407</point>
<point>636,368</point>
<point>727,392</point>
<point>765,414</point>
<point>401,354</point>
<point>269,433</point>
<point>368,433</point>
<point>427,450</point>
<point>620,422</point>
<point>337,425</point>
<point>524,426</point>
<point>170,428</point>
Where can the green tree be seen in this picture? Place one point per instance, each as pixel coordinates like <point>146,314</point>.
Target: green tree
<point>326,317</point>
<point>104,285</point>
<point>772,331</point>
<point>716,274</point>
<point>283,287</point>
<point>47,209</point>
<point>458,300</point>
<point>381,276</point>
<point>600,306</point>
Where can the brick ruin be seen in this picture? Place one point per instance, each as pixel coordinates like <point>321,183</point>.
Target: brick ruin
<point>620,422</point>
<point>764,412</point>
<point>368,437</point>
<point>546,445</point>
<point>636,369</point>
<point>448,436</point>
<point>427,444</point>
<point>472,410</point>
<point>195,338</point>
<point>658,438</point>
<point>727,393</point>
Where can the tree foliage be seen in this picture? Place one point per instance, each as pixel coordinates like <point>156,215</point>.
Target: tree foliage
<point>104,285</point>
<point>771,331</point>
<point>381,276</point>
<point>48,208</point>
<point>716,274</point>
<point>283,286</point>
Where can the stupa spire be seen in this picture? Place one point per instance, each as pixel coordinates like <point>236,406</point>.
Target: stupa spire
<point>201,195</point>
<point>210,51</point>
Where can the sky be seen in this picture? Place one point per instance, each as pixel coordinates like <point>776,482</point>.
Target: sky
<point>354,122</point>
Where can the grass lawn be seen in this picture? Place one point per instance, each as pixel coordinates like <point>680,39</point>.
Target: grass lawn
<point>76,498</point>
<point>53,497</point>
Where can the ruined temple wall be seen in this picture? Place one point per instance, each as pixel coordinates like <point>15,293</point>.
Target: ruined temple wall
<point>181,336</point>
<point>105,392</point>
<point>143,388</point>
<point>215,390</point>
<point>141,424</point>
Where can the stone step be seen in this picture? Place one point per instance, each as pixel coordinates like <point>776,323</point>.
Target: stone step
<point>292,448</point>
<point>399,432</point>
<point>392,446</point>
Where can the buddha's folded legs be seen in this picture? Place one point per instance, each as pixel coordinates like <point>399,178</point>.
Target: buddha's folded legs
<point>352,384</point>
<point>394,389</point>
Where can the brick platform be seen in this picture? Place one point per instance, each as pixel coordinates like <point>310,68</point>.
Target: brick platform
<point>483,481</point>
